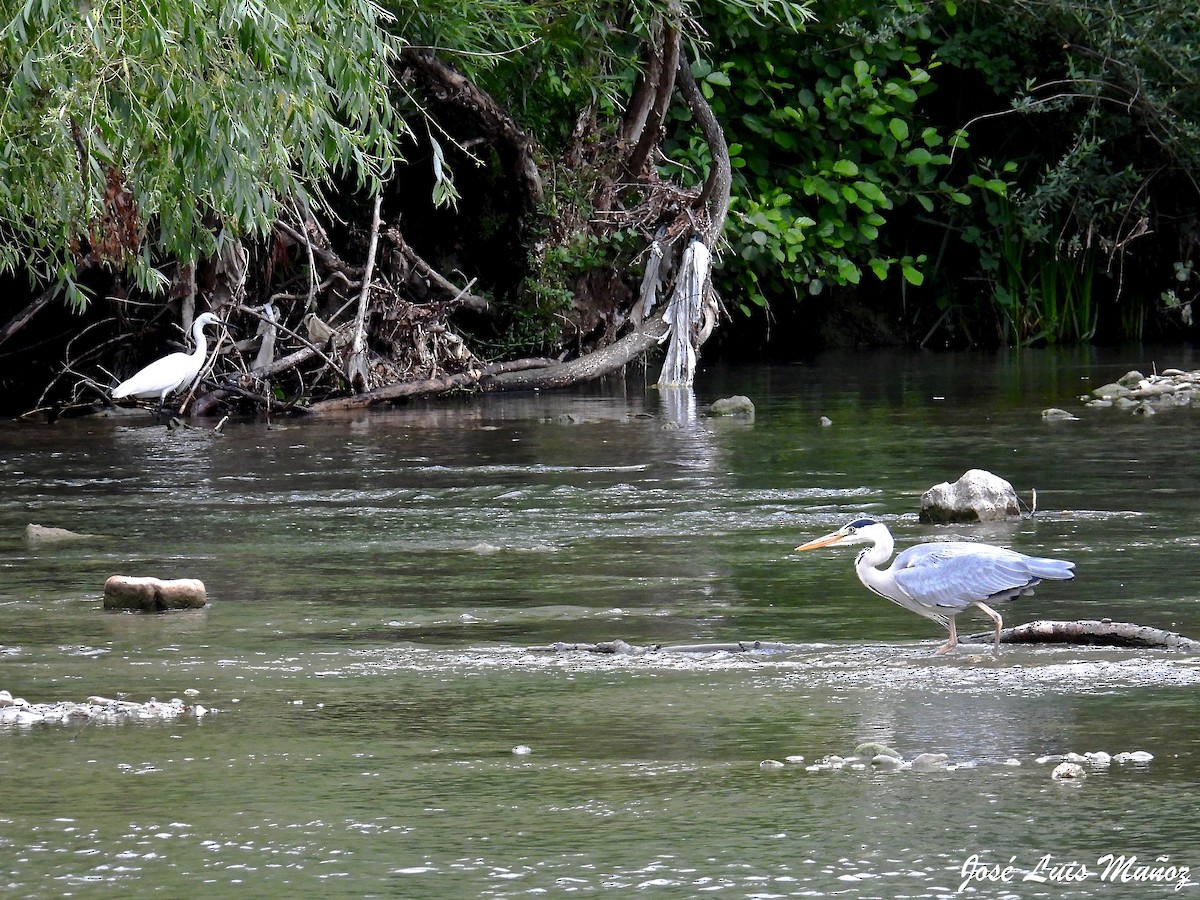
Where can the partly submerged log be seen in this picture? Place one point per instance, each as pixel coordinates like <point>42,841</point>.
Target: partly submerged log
<point>1085,632</point>
<point>1089,632</point>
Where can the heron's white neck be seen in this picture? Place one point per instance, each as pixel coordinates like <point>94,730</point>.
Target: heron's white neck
<point>199,339</point>
<point>879,552</point>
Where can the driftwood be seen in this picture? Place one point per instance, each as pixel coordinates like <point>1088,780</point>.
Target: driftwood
<point>1086,633</point>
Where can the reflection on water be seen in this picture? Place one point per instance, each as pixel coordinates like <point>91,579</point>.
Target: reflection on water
<point>378,581</point>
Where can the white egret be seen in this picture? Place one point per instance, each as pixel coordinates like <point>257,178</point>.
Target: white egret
<point>172,372</point>
<point>941,579</point>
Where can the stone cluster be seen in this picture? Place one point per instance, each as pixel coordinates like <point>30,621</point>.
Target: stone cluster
<point>878,757</point>
<point>1146,394</point>
<point>94,710</point>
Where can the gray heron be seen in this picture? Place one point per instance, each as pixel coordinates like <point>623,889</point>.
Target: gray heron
<point>941,579</point>
<point>172,372</point>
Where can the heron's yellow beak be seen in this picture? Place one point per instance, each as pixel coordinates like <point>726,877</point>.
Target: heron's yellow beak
<point>827,541</point>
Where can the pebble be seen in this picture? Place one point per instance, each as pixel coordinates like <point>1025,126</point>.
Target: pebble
<point>794,760</point>
<point>770,764</point>
<point>522,750</point>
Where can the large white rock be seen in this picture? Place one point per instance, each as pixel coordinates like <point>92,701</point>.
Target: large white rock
<point>978,496</point>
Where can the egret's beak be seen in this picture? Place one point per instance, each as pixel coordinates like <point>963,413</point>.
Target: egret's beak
<point>828,541</point>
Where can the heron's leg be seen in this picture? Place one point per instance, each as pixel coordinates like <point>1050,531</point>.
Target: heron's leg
<point>950,644</point>
<point>995,618</point>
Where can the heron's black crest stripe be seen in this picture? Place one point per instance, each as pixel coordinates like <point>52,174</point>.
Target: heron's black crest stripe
<point>862,523</point>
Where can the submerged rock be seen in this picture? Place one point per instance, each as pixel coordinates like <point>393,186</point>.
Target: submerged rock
<point>153,594</point>
<point>978,496</point>
<point>1054,414</point>
<point>930,762</point>
<point>872,749</point>
<point>1068,770</point>
<point>45,534</point>
<point>1137,756</point>
<point>737,405</point>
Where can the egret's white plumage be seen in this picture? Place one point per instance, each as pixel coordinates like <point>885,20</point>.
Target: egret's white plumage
<point>172,372</point>
<point>942,579</point>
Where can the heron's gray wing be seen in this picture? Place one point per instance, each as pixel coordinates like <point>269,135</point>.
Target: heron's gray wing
<point>952,575</point>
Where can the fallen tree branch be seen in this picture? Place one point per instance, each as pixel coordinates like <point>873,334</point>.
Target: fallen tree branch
<point>438,385</point>
<point>21,319</point>
<point>445,83</point>
<point>585,368</point>
<point>1088,632</point>
<point>461,296</point>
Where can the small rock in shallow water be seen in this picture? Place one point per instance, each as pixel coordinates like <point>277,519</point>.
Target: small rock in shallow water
<point>522,750</point>
<point>770,764</point>
<point>738,405</point>
<point>1098,758</point>
<point>153,594</point>
<point>929,762</point>
<point>873,748</point>
<point>794,760</point>
<point>1067,770</point>
<point>1130,378</point>
<point>883,761</point>
<point>826,421</point>
<point>977,496</point>
<point>1054,414</point>
<point>1137,756</point>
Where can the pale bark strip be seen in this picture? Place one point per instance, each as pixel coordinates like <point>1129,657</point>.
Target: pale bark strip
<point>356,368</point>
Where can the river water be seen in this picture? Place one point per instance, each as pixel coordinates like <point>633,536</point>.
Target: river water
<point>384,719</point>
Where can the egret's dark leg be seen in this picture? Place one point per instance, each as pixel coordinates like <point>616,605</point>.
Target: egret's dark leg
<point>995,618</point>
<point>950,644</point>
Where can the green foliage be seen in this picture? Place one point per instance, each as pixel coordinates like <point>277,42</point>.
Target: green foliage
<point>827,142</point>
<point>1102,141</point>
<point>139,131</point>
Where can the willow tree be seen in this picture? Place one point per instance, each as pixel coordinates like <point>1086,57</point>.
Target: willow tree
<point>156,156</point>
